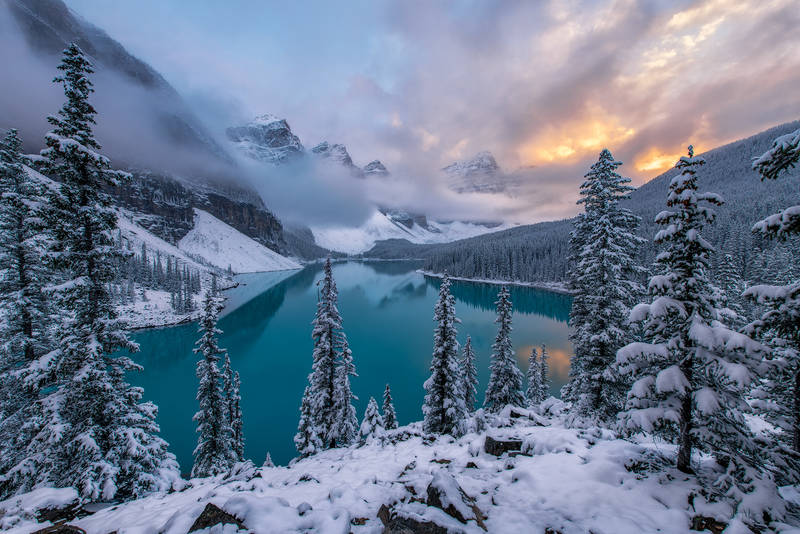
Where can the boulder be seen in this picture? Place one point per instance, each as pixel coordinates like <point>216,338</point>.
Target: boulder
<point>497,447</point>
<point>214,515</point>
<point>61,528</point>
<point>702,523</point>
<point>394,523</point>
<point>446,494</point>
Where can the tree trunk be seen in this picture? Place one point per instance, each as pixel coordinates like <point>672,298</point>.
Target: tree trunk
<point>796,414</point>
<point>685,437</point>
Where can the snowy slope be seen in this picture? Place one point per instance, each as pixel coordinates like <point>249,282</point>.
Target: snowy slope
<point>354,240</point>
<point>571,481</point>
<point>223,246</point>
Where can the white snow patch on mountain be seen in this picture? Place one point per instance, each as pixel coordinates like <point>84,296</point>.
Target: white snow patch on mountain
<point>223,246</point>
<point>354,240</point>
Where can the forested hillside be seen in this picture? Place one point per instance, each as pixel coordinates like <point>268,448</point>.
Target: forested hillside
<point>539,252</point>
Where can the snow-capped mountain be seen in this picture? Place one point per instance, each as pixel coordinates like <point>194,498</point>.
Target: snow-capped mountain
<point>337,153</point>
<point>476,175</point>
<point>161,200</point>
<point>375,168</point>
<point>266,138</point>
<point>396,224</point>
<point>481,174</point>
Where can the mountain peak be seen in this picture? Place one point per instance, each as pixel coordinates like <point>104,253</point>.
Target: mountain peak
<point>266,138</point>
<point>375,168</point>
<point>479,174</point>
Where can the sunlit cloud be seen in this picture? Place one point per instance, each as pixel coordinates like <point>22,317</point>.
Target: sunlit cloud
<point>420,84</point>
<point>574,139</point>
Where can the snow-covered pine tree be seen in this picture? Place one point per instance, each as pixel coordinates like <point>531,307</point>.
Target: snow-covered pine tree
<point>469,375</point>
<point>345,425</point>
<point>544,369</point>
<point>690,380</point>
<point>23,330</point>
<point>444,411</point>
<point>372,425</point>
<point>778,397</point>
<point>230,392</point>
<point>533,394</point>
<point>214,453</point>
<point>21,258</point>
<point>322,379</point>
<point>389,415</point>
<point>268,461</point>
<point>603,274</point>
<point>95,435</point>
<point>730,283</point>
<point>307,440</point>
<point>505,379</point>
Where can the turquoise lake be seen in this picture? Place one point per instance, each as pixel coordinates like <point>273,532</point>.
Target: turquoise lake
<point>387,310</point>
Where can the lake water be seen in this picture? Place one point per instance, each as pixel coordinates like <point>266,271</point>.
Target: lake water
<point>387,310</point>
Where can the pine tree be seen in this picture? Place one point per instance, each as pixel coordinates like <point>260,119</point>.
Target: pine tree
<point>268,461</point>
<point>692,377</point>
<point>322,379</point>
<point>505,379</point>
<point>307,440</point>
<point>95,434</point>
<point>21,258</point>
<point>730,283</point>
<point>389,415</point>
<point>534,375</point>
<point>469,375</point>
<point>372,425</point>
<point>230,392</point>
<point>345,427</point>
<point>214,454</point>
<point>544,369</point>
<point>23,330</point>
<point>603,274</point>
<point>444,410</point>
<point>778,397</point>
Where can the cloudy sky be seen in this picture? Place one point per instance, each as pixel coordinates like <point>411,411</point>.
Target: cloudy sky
<point>419,84</point>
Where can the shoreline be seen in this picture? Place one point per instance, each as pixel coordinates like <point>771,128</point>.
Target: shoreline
<point>556,287</point>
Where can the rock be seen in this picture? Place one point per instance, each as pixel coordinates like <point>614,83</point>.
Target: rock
<point>394,523</point>
<point>60,528</point>
<point>497,447</point>
<point>61,514</point>
<point>214,515</point>
<point>471,465</point>
<point>446,494</point>
<point>702,523</point>
<point>303,508</point>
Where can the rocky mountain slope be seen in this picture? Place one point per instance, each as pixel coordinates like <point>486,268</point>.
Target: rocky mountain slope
<point>160,200</point>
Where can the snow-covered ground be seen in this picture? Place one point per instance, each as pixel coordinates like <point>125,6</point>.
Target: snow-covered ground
<point>223,246</point>
<point>555,287</point>
<point>354,240</point>
<point>565,480</point>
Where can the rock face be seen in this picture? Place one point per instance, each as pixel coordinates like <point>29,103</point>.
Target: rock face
<point>214,515</point>
<point>164,207</point>
<point>267,138</point>
<point>375,169</point>
<point>406,218</point>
